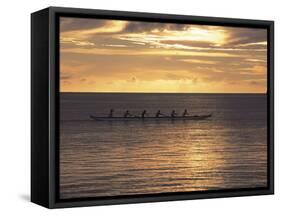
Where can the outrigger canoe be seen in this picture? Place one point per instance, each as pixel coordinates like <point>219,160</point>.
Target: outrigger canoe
<point>135,118</point>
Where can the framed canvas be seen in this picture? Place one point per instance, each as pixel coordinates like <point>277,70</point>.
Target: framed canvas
<point>139,107</point>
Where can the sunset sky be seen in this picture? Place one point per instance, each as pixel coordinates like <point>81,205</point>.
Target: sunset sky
<point>98,55</point>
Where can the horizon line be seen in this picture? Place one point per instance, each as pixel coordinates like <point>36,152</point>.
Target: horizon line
<point>164,92</point>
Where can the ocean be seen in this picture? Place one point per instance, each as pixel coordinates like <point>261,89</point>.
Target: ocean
<point>226,151</point>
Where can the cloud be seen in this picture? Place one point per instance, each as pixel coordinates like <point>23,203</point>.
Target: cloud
<point>258,82</point>
<point>136,56</point>
<point>172,76</point>
<point>141,27</point>
<point>68,40</point>
<point>156,51</point>
<point>190,37</point>
<point>65,77</point>
<point>198,61</point>
<point>133,79</point>
<point>189,43</point>
<point>115,45</point>
<point>239,36</point>
<point>71,24</point>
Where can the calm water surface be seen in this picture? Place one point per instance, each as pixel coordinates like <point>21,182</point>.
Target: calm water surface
<point>229,150</point>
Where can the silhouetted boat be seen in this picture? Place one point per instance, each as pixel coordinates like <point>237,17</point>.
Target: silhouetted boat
<point>135,118</point>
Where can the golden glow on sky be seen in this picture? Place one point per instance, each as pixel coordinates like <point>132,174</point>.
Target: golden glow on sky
<point>122,56</point>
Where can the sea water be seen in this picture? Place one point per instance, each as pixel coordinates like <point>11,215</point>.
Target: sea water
<point>103,158</point>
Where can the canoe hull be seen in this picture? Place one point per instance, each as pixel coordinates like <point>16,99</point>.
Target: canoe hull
<point>178,118</point>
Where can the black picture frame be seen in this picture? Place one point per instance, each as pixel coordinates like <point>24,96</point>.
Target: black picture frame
<point>45,106</point>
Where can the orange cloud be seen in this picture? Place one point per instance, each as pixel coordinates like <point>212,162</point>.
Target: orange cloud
<point>128,56</point>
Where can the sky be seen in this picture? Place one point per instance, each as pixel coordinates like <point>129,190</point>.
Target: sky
<point>98,55</point>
